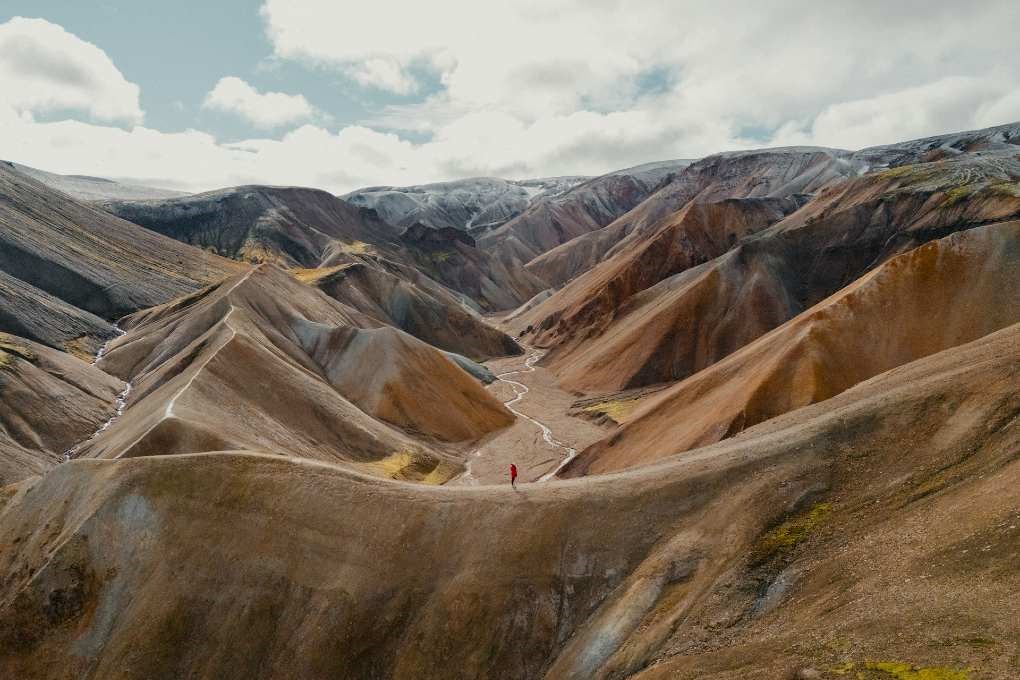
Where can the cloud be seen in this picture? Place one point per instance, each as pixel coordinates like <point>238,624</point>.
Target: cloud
<point>44,69</point>
<point>945,105</point>
<point>263,110</point>
<point>383,74</point>
<point>549,87</point>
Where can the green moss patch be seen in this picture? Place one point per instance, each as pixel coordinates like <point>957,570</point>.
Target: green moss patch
<point>960,193</point>
<point>793,531</point>
<point>897,670</point>
<point>9,350</point>
<point>616,410</point>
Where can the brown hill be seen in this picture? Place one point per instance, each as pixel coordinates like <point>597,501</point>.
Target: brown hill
<point>402,297</point>
<point>765,173</point>
<point>646,347</point>
<point>940,295</point>
<point>208,372</point>
<point>769,277</point>
<point>50,401</point>
<point>584,208</point>
<point>65,263</point>
<point>290,226</point>
<point>834,538</point>
<point>784,172</point>
<point>451,257</point>
<point>308,228</point>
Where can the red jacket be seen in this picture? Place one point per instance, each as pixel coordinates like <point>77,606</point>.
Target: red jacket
<point>513,471</point>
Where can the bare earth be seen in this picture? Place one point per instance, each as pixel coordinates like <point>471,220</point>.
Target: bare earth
<point>522,443</point>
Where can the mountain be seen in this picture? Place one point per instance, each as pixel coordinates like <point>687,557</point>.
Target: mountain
<point>763,407</point>
<point>750,555</point>
<point>765,173</point>
<point>51,401</point>
<point>848,228</point>
<point>290,226</point>
<point>452,258</point>
<point>934,297</point>
<point>554,219</point>
<point>475,204</point>
<point>403,298</point>
<point>85,188</point>
<point>308,228</point>
<point>67,268</point>
<point>207,371</point>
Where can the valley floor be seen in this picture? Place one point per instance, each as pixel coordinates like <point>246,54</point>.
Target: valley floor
<point>522,443</point>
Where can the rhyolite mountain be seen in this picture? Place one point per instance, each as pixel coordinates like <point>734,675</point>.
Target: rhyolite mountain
<point>799,365</point>
<point>474,205</point>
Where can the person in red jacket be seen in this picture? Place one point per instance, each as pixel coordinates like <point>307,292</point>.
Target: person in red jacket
<point>513,475</point>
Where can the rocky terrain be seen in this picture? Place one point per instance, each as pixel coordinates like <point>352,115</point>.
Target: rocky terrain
<point>552,220</point>
<point>475,205</point>
<point>764,407</point>
<point>85,188</point>
<point>61,259</point>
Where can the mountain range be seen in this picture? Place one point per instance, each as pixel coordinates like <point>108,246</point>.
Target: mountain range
<point>763,403</point>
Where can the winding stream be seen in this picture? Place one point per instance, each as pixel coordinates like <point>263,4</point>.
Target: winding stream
<point>119,404</point>
<point>520,389</point>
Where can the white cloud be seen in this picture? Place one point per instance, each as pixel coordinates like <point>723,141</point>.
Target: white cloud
<point>264,110</point>
<point>44,69</point>
<point>546,87</point>
<point>383,74</point>
<point>946,105</point>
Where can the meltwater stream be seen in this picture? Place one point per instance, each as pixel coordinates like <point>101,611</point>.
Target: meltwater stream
<point>119,404</point>
<point>520,389</point>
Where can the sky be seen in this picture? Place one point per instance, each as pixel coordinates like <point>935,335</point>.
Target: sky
<point>340,95</point>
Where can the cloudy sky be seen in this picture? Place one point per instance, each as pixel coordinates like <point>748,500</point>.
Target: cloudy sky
<point>339,94</point>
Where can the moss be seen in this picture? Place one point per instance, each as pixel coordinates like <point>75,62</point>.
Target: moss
<point>1010,189</point>
<point>80,347</point>
<point>897,172</point>
<point>316,274</point>
<point>616,410</point>
<point>356,248</point>
<point>408,465</point>
<point>905,671</point>
<point>440,255</point>
<point>960,193</point>
<point>9,350</point>
<point>793,531</point>
<point>258,253</point>
<point>912,174</point>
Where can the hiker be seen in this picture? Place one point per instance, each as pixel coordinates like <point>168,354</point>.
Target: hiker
<point>513,475</point>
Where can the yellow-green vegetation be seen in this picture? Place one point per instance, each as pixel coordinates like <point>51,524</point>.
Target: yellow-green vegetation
<point>441,255</point>
<point>897,172</point>
<point>411,465</point>
<point>616,410</point>
<point>897,670</point>
<point>257,253</point>
<point>793,531</point>
<point>1011,189</point>
<point>913,174</point>
<point>356,248</point>
<point>316,274</point>
<point>79,347</point>
<point>905,671</point>
<point>960,193</point>
<point>10,349</point>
